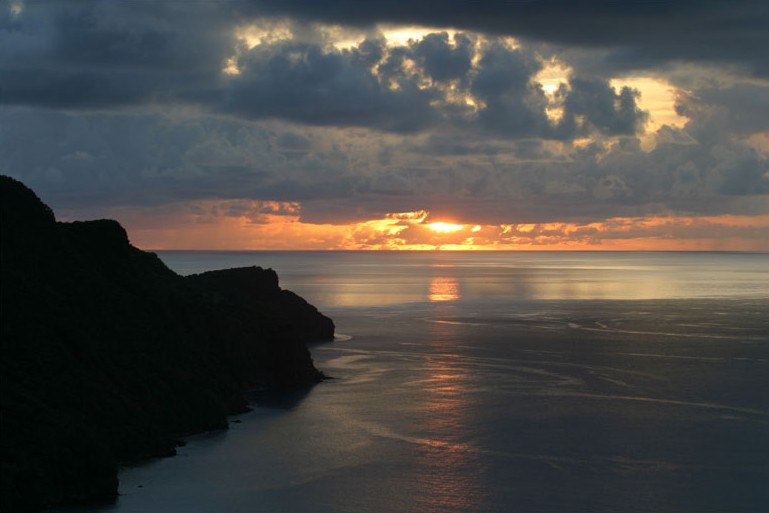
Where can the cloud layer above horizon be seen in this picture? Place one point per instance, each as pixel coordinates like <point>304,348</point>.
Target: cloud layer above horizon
<point>315,125</point>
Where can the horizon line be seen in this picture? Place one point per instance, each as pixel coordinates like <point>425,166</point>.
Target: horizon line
<point>437,250</point>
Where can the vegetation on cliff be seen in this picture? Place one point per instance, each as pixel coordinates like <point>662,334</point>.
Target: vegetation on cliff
<point>108,356</point>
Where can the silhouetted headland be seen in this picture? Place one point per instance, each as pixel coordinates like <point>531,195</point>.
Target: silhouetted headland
<point>107,356</point>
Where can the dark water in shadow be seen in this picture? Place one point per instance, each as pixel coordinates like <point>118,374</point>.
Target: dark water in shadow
<point>472,389</point>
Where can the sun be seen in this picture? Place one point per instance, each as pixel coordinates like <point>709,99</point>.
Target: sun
<point>445,227</point>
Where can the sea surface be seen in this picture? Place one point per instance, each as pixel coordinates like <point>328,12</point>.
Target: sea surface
<point>498,382</point>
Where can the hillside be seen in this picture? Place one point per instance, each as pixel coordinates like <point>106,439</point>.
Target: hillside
<point>108,356</point>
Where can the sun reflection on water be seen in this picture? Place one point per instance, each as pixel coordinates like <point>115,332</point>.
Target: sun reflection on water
<point>444,289</point>
<point>453,476</point>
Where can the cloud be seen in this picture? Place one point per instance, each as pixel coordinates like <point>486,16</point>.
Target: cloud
<point>96,55</point>
<point>745,105</point>
<point>444,61</point>
<point>81,56</point>
<point>604,109</point>
<point>512,104</point>
<point>194,226</point>
<point>636,35</point>
<point>290,142</point>
<point>305,83</point>
<point>145,104</point>
<point>142,160</point>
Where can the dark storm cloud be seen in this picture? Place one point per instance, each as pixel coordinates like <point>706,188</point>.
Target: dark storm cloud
<point>95,55</point>
<point>512,104</point>
<point>88,160</point>
<point>744,106</point>
<point>102,161</point>
<point>489,182</point>
<point>97,160</point>
<point>607,111</point>
<point>80,55</point>
<point>592,186</point>
<point>442,61</point>
<point>516,106</point>
<point>302,82</point>
<point>455,124</point>
<point>293,142</point>
<point>639,33</point>
<point>449,144</point>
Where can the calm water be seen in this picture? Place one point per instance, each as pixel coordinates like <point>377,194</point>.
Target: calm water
<point>513,382</point>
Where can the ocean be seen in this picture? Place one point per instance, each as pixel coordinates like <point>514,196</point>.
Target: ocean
<point>498,382</point>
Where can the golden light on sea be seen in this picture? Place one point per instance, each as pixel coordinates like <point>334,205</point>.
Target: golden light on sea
<point>444,289</point>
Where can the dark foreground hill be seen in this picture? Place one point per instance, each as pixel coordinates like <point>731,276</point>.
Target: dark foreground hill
<point>107,356</point>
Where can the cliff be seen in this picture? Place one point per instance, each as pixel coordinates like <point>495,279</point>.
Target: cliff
<point>108,356</point>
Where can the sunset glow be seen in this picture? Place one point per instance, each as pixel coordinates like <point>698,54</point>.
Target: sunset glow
<point>441,227</point>
<point>534,235</point>
<point>274,225</point>
<point>287,125</point>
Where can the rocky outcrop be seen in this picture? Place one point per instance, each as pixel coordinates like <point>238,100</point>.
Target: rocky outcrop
<point>249,299</point>
<point>107,356</point>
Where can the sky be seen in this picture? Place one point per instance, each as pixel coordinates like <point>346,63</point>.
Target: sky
<point>420,124</point>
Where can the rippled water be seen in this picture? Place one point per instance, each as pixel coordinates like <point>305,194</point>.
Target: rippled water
<point>500,383</point>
